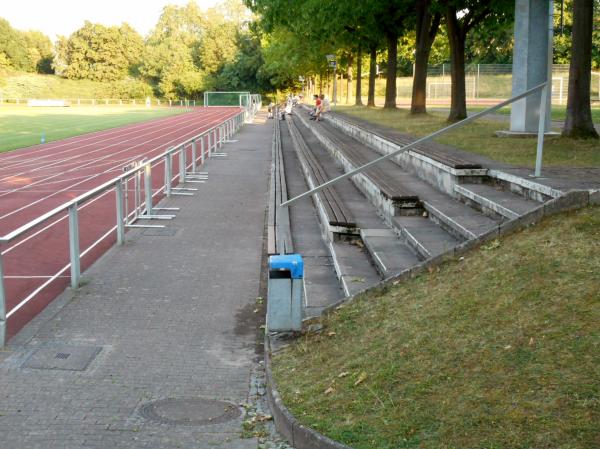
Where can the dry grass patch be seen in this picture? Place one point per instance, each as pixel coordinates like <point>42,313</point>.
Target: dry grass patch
<point>499,349</point>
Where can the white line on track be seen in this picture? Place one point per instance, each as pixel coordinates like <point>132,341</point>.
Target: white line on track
<point>42,163</point>
<point>49,149</point>
<point>178,138</point>
<point>86,251</point>
<point>78,140</point>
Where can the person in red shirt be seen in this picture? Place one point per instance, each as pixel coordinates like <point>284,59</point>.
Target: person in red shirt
<point>318,106</point>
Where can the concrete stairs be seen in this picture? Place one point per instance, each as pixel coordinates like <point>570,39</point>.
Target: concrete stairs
<point>390,236</point>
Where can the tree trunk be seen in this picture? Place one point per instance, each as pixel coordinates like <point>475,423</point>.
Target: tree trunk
<point>320,83</point>
<point>427,27</point>
<point>390,82</point>
<point>456,39</point>
<point>372,75</point>
<point>349,75</point>
<point>578,123</point>
<point>358,98</point>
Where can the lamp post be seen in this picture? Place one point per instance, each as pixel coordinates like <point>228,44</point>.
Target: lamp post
<point>333,63</point>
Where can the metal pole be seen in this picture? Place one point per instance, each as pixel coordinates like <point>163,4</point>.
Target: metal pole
<point>120,222</point>
<point>214,139</point>
<point>202,150</point>
<point>334,86</point>
<point>148,187</point>
<point>548,123</point>
<point>193,156</point>
<point>541,128</point>
<point>413,144</point>
<point>182,164</point>
<point>168,174</point>
<point>74,246</point>
<point>2,305</point>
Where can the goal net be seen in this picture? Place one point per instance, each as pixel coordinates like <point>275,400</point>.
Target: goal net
<point>239,99</point>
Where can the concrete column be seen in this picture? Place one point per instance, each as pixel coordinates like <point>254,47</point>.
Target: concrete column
<point>532,57</point>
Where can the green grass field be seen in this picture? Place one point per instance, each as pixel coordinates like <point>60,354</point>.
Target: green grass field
<point>22,126</point>
<point>496,349</point>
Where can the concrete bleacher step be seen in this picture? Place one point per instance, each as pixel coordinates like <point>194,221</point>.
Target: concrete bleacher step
<point>389,254</point>
<point>494,200</point>
<point>426,237</point>
<point>458,219</point>
<point>353,267</point>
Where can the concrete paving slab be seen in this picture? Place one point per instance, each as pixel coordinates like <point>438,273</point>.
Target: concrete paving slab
<point>173,316</point>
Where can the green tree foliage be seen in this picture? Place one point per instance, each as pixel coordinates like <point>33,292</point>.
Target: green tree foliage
<point>563,30</point>
<point>27,51</point>
<point>99,53</point>
<point>245,72</point>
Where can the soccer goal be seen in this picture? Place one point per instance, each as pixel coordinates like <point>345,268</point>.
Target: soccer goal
<point>239,99</point>
<point>251,103</point>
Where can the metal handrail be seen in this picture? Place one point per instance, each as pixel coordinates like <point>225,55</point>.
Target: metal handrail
<point>226,129</point>
<point>101,188</point>
<point>540,142</point>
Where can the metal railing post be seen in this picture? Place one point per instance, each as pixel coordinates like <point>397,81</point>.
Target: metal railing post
<point>120,221</point>
<point>182,164</point>
<point>220,137</point>
<point>541,129</point>
<point>2,304</point>
<point>202,150</point>
<point>214,140</point>
<point>148,187</point>
<point>193,155</point>
<point>168,174</point>
<point>74,245</point>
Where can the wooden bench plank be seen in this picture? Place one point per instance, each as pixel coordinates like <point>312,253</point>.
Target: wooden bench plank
<point>390,187</point>
<point>432,150</point>
<point>336,211</point>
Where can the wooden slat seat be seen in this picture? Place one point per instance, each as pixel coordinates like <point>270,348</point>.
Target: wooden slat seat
<point>337,213</point>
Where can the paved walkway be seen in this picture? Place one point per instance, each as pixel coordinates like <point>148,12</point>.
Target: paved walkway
<point>166,317</point>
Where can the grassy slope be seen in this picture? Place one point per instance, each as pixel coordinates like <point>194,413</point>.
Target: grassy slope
<point>32,85</point>
<point>23,126</point>
<point>499,349</point>
<point>479,138</point>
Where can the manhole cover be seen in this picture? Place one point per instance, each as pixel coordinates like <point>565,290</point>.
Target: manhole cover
<point>159,232</point>
<point>64,357</point>
<point>190,412</point>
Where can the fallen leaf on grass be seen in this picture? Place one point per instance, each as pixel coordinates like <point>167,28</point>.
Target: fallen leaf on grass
<point>343,374</point>
<point>361,378</point>
<point>329,390</point>
<point>331,334</point>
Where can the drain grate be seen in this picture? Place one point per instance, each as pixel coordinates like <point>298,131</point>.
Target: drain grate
<point>62,357</point>
<point>190,411</point>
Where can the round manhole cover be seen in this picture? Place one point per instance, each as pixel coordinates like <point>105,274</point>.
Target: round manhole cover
<point>191,412</point>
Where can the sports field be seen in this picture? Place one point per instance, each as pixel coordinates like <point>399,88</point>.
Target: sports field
<point>23,126</point>
<point>40,178</point>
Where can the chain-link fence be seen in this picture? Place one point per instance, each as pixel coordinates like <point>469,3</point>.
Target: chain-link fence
<point>495,81</point>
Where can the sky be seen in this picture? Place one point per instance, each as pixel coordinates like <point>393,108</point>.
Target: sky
<point>62,17</point>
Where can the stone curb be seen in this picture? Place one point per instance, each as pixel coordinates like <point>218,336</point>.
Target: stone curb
<point>299,436</point>
<point>302,437</point>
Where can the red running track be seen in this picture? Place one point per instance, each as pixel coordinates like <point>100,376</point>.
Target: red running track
<point>37,179</point>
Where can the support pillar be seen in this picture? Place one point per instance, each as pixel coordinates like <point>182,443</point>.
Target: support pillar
<point>532,62</point>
